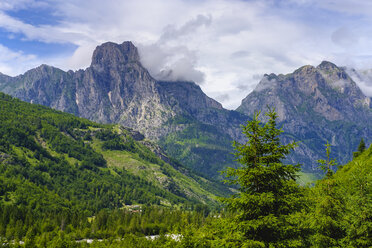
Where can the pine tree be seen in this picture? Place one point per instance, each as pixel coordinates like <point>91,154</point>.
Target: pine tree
<point>326,219</point>
<point>268,193</point>
<point>327,164</point>
<point>361,148</point>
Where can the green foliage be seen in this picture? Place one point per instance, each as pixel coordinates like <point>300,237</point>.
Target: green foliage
<point>326,165</point>
<point>361,148</point>
<point>52,178</point>
<point>200,147</point>
<point>340,215</point>
<point>355,189</point>
<point>58,187</point>
<point>268,194</point>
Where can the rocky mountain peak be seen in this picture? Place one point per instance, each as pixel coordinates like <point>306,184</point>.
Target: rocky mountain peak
<point>306,69</point>
<point>40,72</point>
<point>333,73</point>
<point>268,81</point>
<point>45,68</point>
<point>114,55</point>
<point>327,66</point>
<point>315,104</point>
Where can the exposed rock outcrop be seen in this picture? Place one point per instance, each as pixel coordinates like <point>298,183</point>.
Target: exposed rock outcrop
<point>316,104</point>
<point>116,88</point>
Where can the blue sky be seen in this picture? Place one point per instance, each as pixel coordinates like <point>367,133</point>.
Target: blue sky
<point>224,45</point>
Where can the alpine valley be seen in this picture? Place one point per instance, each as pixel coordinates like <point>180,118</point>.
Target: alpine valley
<point>315,105</point>
<point>110,157</point>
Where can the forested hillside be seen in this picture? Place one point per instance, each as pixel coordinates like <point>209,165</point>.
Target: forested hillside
<point>117,89</point>
<point>57,172</point>
<point>67,181</point>
<point>271,211</point>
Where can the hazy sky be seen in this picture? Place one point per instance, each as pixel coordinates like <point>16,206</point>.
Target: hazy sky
<point>224,45</point>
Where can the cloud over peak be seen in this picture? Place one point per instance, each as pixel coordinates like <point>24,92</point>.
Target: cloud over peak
<point>220,44</point>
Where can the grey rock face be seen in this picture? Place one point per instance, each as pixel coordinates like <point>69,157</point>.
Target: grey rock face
<point>316,104</point>
<point>116,88</point>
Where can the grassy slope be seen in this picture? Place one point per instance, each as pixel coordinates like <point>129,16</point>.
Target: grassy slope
<point>28,157</point>
<point>343,204</point>
<point>306,178</point>
<point>158,175</point>
<point>355,177</point>
<point>201,147</point>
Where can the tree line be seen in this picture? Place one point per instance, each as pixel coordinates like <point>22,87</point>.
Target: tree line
<point>46,202</point>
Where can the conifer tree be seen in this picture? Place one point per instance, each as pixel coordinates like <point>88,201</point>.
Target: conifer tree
<point>329,207</point>
<point>268,193</point>
<point>361,148</point>
<point>327,164</point>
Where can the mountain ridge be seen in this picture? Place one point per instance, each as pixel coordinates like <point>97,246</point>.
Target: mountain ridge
<point>316,104</point>
<point>116,88</point>
<point>43,145</point>
<point>192,127</point>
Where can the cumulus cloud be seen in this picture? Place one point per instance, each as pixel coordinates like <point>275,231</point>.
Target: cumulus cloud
<point>20,4</point>
<point>14,63</point>
<point>226,46</point>
<point>345,6</point>
<point>168,61</point>
<point>239,54</point>
<point>172,33</point>
<point>223,97</point>
<point>344,37</point>
<point>265,83</point>
<point>363,78</point>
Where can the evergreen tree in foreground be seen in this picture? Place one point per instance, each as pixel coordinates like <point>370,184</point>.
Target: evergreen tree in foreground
<point>269,196</point>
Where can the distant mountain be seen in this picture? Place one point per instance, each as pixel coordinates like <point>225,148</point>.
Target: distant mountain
<point>116,88</point>
<point>64,161</point>
<point>316,104</point>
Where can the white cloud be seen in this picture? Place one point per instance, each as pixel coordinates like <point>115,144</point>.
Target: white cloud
<point>352,7</point>
<point>14,63</point>
<point>20,4</point>
<point>363,78</point>
<point>223,45</point>
<point>344,37</point>
<point>171,32</point>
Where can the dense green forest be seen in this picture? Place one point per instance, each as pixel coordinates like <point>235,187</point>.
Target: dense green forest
<point>69,182</point>
<point>60,172</point>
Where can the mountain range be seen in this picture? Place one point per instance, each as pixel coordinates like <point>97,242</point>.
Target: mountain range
<point>65,160</point>
<point>315,104</point>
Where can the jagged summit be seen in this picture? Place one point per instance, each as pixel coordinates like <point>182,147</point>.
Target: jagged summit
<point>315,104</point>
<point>110,54</point>
<point>117,88</point>
<point>327,65</point>
<point>307,68</point>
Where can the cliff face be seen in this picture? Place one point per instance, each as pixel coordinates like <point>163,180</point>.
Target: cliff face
<point>116,88</point>
<point>316,104</point>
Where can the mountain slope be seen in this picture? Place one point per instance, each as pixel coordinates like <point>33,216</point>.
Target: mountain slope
<point>116,88</point>
<point>316,104</point>
<point>342,205</point>
<point>67,162</point>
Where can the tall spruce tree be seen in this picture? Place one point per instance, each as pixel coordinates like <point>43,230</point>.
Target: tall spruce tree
<point>268,193</point>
